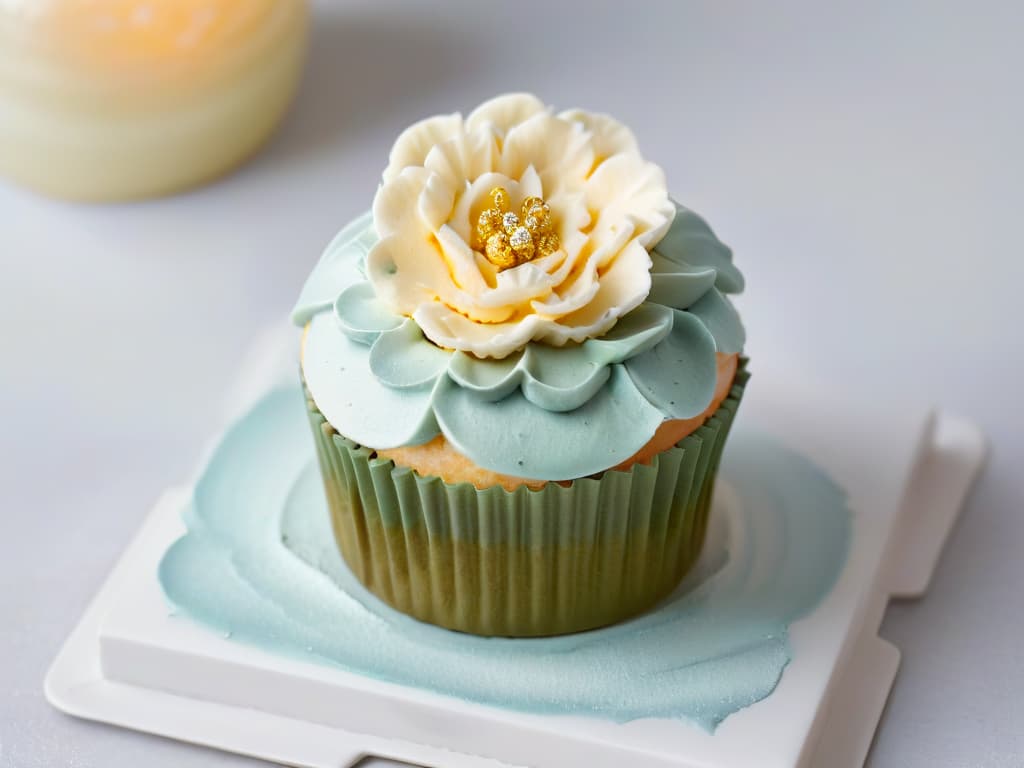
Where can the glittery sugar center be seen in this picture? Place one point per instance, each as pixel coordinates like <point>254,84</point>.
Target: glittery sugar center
<point>509,239</point>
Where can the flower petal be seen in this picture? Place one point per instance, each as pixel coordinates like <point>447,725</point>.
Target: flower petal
<point>462,261</point>
<point>553,379</point>
<point>559,151</point>
<point>570,213</point>
<point>622,289</point>
<point>633,335</point>
<point>409,273</point>
<point>610,137</point>
<point>416,141</point>
<point>351,398</point>
<point>489,378</point>
<point>402,358</point>
<point>435,202</point>
<point>676,284</point>
<point>575,295</point>
<point>550,263</point>
<point>405,272</point>
<point>501,436</point>
<point>517,285</point>
<point>361,316</point>
<point>718,314</point>
<point>529,183</point>
<point>692,241</point>
<point>463,157</point>
<point>689,353</point>
<point>504,111</point>
<point>448,328</point>
<point>561,379</point>
<point>625,186</point>
<point>579,295</point>
<point>396,204</point>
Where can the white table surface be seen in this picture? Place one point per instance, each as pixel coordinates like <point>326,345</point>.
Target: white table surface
<point>865,163</point>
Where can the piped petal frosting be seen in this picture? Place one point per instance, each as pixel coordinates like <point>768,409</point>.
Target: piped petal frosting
<point>691,240</point>
<point>508,432</point>
<point>337,370</point>
<point>400,360</point>
<point>689,353</point>
<point>503,112</point>
<point>361,316</point>
<point>721,318</point>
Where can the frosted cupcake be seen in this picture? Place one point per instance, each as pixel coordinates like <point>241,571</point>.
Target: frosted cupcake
<point>521,369</point>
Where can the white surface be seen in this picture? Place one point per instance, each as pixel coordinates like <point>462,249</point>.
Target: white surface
<point>864,162</point>
<point>129,662</point>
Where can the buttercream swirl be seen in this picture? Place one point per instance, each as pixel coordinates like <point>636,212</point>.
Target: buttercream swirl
<point>607,203</point>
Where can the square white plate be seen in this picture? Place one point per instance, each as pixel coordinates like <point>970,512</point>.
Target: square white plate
<point>906,472</point>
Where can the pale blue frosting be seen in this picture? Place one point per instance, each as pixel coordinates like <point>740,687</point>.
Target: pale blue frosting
<point>259,564</point>
<point>381,383</point>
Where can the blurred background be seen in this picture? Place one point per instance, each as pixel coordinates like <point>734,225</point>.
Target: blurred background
<point>864,162</point>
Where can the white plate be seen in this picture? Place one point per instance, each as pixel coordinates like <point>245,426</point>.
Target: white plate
<point>130,664</point>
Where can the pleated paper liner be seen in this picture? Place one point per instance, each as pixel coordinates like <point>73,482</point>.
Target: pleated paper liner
<point>561,559</point>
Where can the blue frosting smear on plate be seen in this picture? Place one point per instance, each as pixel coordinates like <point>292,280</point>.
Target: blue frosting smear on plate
<point>259,562</point>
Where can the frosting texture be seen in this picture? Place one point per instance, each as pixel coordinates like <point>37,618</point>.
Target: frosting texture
<point>554,369</point>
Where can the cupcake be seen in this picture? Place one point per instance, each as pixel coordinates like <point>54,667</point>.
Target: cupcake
<point>521,369</point>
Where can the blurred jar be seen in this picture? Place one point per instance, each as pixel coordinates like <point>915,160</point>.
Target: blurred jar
<point>122,99</point>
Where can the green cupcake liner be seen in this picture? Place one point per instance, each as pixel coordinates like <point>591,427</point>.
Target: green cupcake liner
<point>561,559</point>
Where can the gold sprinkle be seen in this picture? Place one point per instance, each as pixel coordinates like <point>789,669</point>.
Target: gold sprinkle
<point>500,198</point>
<point>509,239</point>
<point>510,222</point>
<point>488,224</point>
<point>532,202</point>
<point>547,244</point>
<point>499,251</point>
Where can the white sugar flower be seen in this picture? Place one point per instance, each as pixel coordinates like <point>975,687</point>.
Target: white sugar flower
<point>516,225</point>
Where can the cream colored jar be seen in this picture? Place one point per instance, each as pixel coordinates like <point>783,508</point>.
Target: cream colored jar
<point>124,99</point>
